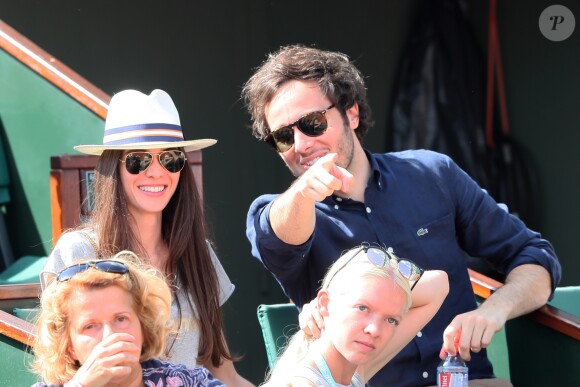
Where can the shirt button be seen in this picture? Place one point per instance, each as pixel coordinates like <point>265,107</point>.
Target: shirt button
<point>336,207</point>
<point>419,334</point>
<point>425,375</point>
<point>368,210</point>
<point>338,199</point>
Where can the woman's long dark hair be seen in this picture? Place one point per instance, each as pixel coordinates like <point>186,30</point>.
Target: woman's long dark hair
<point>183,230</point>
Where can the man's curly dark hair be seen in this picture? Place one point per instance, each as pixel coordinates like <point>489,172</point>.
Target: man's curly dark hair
<point>334,73</point>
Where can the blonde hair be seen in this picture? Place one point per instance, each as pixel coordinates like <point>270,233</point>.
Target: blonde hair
<point>355,264</point>
<point>348,266</point>
<point>151,299</point>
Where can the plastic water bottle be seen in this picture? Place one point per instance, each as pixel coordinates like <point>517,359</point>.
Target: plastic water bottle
<point>452,372</point>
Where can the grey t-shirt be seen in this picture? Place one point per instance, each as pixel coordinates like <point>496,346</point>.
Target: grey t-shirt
<point>75,245</point>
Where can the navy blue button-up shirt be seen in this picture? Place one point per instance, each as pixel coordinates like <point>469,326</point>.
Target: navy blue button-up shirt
<point>427,209</point>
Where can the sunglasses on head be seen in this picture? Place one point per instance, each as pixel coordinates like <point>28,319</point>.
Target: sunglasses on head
<point>172,160</point>
<point>381,257</point>
<point>105,265</point>
<point>312,124</point>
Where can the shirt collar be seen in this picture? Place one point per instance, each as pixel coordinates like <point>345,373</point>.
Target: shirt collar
<point>376,172</point>
<point>375,177</point>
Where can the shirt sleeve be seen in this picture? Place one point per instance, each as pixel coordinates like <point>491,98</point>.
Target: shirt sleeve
<point>281,258</point>
<point>225,285</point>
<point>486,230</point>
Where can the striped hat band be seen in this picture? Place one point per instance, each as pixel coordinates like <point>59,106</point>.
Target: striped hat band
<point>143,133</point>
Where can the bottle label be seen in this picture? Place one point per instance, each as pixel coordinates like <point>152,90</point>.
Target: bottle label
<point>450,379</point>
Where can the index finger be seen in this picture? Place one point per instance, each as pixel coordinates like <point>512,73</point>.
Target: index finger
<point>328,162</point>
<point>451,337</point>
<point>346,178</point>
<point>329,158</point>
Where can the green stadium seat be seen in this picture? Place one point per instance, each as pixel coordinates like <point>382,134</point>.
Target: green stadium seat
<point>278,322</point>
<point>28,314</point>
<point>567,298</point>
<point>24,270</point>
<point>15,365</point>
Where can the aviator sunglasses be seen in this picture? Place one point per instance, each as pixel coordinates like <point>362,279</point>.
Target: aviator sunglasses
<point>312,124</point>
<point>381,257</point>
<point>105,265</point>
<point>137,162</point>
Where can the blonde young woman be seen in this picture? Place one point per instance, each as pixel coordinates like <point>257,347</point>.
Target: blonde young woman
<point>146,201</point>
<point>104,323</point>
<point>369,314</point>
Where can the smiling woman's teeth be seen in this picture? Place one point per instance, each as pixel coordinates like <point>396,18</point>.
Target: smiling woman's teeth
<point>157,188</point>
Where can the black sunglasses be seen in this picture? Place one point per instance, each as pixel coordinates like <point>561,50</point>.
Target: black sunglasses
<point>137,162</point>
<point>381,257</point>
<point>105,265</point>
<point>312,124</point>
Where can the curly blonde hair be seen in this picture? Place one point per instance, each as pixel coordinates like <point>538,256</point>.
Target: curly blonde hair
<point>151,299</point>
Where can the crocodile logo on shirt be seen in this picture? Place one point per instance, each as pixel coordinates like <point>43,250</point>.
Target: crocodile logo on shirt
<point>422,231</point>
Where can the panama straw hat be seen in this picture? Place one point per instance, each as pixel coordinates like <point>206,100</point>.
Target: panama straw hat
<point>139,121</point>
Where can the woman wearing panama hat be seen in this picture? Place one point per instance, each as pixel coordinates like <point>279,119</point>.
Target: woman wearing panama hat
<point>147,202</point>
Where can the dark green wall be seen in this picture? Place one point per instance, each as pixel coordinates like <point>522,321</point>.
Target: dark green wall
<point>543,95</point>
<point>37,120</point>
<point>202,52</point>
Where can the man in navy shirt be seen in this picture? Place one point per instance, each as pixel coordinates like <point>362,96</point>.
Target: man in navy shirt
<point>311,107</point>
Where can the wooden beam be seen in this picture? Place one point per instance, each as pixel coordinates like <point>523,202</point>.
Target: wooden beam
<point>20,291</point>
<point>17,329</point>
<point>482,285</point>
<point>54,71</point>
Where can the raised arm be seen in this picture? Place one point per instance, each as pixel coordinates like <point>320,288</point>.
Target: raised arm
<point>427,297</point>
<point>292,214</point>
